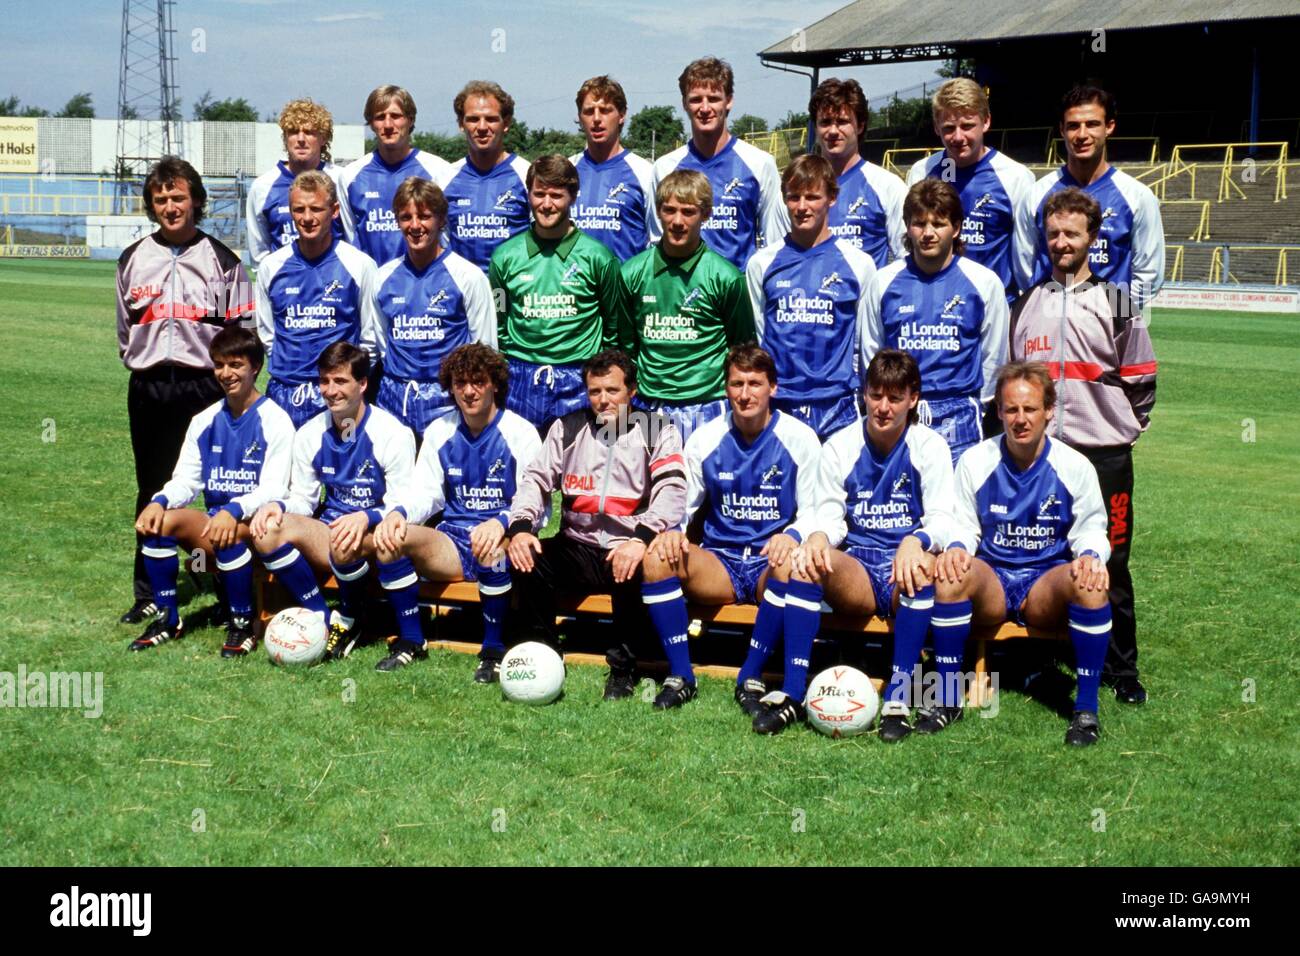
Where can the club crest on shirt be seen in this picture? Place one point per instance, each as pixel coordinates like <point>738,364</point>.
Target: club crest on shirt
<point>771,478</point>
<point>730,187</point>
<point>570,272</point>
<point>856,205</point>
<point>366,469</point>
<point>1108,213</point>
<point>437,299</point>
<point>830,280</point>
<point>504,198</point>
<point>1047,504</point>
<point>496,469</point>
<point>691,297</point>
<point>333,287</point>
<point>953,303</point>
<point>616,191</point>
<point>901,484</point>
<point>983,200</point>
<point>253,448</point>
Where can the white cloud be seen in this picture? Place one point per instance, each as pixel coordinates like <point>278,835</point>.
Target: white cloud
<point>344,17</point>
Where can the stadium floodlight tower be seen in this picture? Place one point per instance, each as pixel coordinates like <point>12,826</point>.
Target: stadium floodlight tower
<point>146,92</point>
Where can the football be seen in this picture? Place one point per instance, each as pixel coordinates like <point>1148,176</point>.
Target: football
<point>532,673</point>
<point>295,636</point>
<point>842,702</point>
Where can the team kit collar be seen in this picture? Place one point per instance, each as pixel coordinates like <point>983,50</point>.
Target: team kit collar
<point>469,436</point>
<point>199,236</point>
<point>562,248</point>
<point>365,413</point>
<point>705,161</point>
<point>230,415</point>
<point>664,263</point>
<point>394,167</point>
<point>935,277</point>
<point>297,248</point>
<point>421,273</point>
<point>472,170</point>
<point>1014,467</point>
<point>767,430</point>
<point>1071,181</point>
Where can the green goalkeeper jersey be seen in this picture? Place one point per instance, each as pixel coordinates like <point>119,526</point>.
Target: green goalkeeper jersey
<point>556,300</point>
<point>679,318</point>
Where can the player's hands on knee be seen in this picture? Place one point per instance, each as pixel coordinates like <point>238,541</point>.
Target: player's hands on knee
<point>485,541</point>
<point>812,559</point>
<point>521,549</point>
<point>391,533</point>
<point>778,549</point>
<point>347,532</point>
<point>222,530</point>
<point>151,519</point>
<point>1090,573</point>
<point>626,558</point>
<point>269,517</point>
<point>670,547</point>
<point>952,566</point>
<point>912,566</point>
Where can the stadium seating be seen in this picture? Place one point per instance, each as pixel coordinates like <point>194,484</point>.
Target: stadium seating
<point>272,599</point>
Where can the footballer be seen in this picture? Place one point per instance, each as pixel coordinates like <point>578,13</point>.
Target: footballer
<point>751,480</point>
<point>683,308</point>
<point>426,304</point>
<point>470,465</point>
<point>946,310</point>
<point>1028,544</point>
<point>315,291</point>
<point>236,454</point>
<point>362,458</point>
<point>747,209</point>
<point>808,295</point>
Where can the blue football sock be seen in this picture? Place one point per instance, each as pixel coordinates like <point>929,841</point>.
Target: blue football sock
<point>803,617</point>
<point>162,565</point>
<point>402,585</point>
<point>494,598</point>
<point>235,570</point>
<point>352,586</point>
<point>911,624</point>
<point>768,624</point>
<point>1090,635</point>
<point>950,625</point>
<point>293,571</point>
<point>666,605</point>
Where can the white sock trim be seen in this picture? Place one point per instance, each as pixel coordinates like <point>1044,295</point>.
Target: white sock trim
<point>400,583</point>
<point>950,621</point>
<point>661,598</point>
<point>800,602</point>
<point>161,553</point>
<point>492,590</point>
<point>773,599</point>
<point>354,576</point>
<point>283,562</point>
<point>234,565</point>
<point>1090,628</point>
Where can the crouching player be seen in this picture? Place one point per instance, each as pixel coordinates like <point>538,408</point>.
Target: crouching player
<point>1024,505</point>
<point>749,475</point>
<point>237,453</point>
<point>885,494</point>
<point>364,458</point>
<point>470,465</point>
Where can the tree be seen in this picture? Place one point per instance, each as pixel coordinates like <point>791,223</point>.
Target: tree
<point>129,112</point>
<point>792,120</point>
<point>9,106</point>
<point>79,107</point>
<point>748,123</point>
<point>450,148</point>
<point>654,130</point>
<point>224,111</point>
<point>955,68</point>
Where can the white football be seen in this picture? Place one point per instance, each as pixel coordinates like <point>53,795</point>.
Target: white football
<point>842,702</point>
<point>295,636</point>
<point>532,673</point>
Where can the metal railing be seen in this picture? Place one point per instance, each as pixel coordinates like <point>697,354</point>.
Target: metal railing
<point>1056,147</point>
<point>1219,271</point>
<point>36,195</point>
<point>1227,185</point>
<point>891,155</point>
<point>781,143</point>
<point>1202,231</point>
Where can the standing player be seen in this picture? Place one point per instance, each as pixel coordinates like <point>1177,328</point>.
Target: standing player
<point>470,466</point>
<point>368,185</point>
<point>363,458</point>
<point>426,304</point>
<point>949,312</point>
<point>486,195</point>
<point>1029,544</point>
<point>614,201</point>
<point>808,294</point>
<point>1097,348</point>
<point>994,189</point>
<point>885,496</point>
<point>307,129</point>
<point>556,294</point>
<point>176,289</point>
<point>622,482</point>
<point>1129,251</point>
<point>684,306</point>
<point>315,291</point>
<point>750,475</point>
<point>237,455</point>
<point>868,210</point>
<point>747,209</point>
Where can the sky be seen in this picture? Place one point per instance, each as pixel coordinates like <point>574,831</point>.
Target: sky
<point>336,51</point>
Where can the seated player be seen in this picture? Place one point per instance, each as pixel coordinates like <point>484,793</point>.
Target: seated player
<point>306,129</point>
<point>885,496</point>
<point>684,306</point>
<point>310,293</point>
<point>556,294</point>
<point>470,465</point>
<point>237,453</point>
<point>364,458</point>
<point>426,304</point>
<point>808,295</point>
<point>1028,543</point>
<point>622,483</point>
<point>751,474</point>
<point>945,309</point>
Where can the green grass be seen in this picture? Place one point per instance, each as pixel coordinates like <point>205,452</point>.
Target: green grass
<point>419,766</point>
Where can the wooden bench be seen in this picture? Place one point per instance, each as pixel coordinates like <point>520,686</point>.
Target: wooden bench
<point>274,598</point>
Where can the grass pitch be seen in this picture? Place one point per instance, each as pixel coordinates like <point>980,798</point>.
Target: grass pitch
<point>199,761</point>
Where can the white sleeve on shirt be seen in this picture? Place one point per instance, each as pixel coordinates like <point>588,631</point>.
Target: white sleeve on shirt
<point>273,482</point>
<point>303,497</point>
<point>424,495</point>
<point>1089,532</point>
<point>476,292</point>
<point>260,243</point>
<point>933,459</point>
<point>187,477</point>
